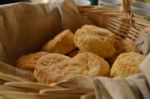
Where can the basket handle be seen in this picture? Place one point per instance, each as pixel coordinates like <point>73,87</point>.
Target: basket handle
<point>126,9</point>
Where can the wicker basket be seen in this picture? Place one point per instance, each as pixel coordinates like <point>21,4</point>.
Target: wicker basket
<point>125,28</point>
<point>115,22</point>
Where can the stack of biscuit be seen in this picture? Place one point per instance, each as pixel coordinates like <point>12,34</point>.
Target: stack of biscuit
<point>82,53</point>
<point>56,67</point>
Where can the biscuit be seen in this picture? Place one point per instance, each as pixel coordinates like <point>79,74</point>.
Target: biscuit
<point>95,39</point>
<point>45,62</point>
<point>63,43</point>
<point>61,71</point>
<point>93,64</point>
<point>29,61</point>
<point>122,46</point>
<point>127,64</point>
<point>125,45</point>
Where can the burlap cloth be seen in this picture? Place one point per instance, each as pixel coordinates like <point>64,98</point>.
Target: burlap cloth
<point>25,27</point>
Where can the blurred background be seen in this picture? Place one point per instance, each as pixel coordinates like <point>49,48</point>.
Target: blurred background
<point>93,2</point>
<point>12,1</point>
<point>40,1</point>
<point>44,1</point>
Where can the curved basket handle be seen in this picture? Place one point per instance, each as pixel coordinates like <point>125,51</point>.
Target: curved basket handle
<point>126,9</point>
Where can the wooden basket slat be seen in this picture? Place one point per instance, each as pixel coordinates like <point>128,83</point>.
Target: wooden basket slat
<point>88,96</point>
<point>7,77</point>
<point>63,91</point>
<point>113,28</point>
<point>7,88</point>
<point>123,33</point>
<point>125,26</point>
<point>25,95</point>
<point>30,85</point>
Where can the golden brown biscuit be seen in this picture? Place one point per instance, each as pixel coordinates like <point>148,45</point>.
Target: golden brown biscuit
<point>124,46</point>
<point>95,39</point>
<point>29,61</point>
<point>45,62</point>
<point>93,64</point>
<point>62,43</point>
<point>61,71</point>
<point>127,64</point>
